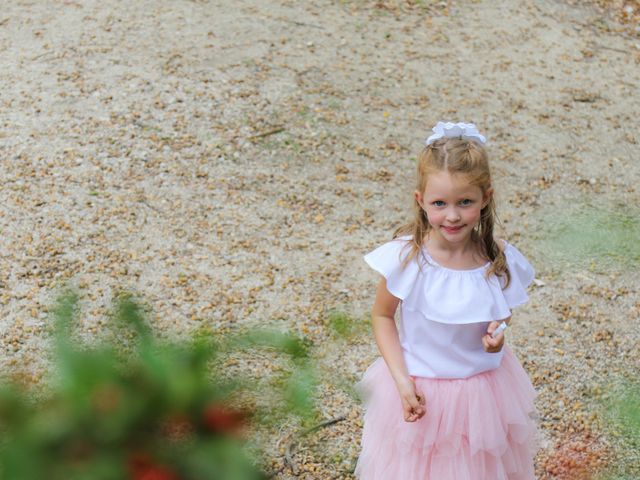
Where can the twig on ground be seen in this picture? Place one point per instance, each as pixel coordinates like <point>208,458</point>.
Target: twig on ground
<point>267,133</point>
<point>611,48</point>
<point>288,455</point>
<point>42,55</point>
<point>303,24</point>
<point>148,205</point>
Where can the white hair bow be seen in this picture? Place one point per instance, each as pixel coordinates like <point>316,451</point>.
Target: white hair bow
<point>452,130</point>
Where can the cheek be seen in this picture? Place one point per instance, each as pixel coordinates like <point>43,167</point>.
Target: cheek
<point>473,215</point>
<point>435,216</point>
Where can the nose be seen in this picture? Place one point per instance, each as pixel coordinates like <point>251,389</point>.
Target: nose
<point>453,215</point>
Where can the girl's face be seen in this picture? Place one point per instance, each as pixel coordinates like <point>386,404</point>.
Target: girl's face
<point>453,205</point>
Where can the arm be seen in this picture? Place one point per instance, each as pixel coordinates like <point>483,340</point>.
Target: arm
<point>386,334</point>
<point>491,344</point>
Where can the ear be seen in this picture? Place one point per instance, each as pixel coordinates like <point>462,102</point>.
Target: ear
<point>487,197</point>
<point>419,198</point>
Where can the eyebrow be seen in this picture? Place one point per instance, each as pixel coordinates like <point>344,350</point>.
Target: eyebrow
<point>464,197</point>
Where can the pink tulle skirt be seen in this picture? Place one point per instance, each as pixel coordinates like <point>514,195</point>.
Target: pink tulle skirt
<point>477,428</point>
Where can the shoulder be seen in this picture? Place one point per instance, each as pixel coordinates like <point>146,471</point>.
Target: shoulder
<point>391,253</point>
<point>519,267</point>
<point>509,249</point>
<point>395,246</point>
<point>389,261</point>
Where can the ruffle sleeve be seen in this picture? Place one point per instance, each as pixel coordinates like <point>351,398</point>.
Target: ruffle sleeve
<point>387,261</point>
<point>450,296</point>
<point>522,274</point>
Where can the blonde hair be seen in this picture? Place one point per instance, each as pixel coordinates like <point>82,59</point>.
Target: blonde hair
<point>457,155</point>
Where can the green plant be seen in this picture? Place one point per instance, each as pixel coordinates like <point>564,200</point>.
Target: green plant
<point>140,408</point>
<point>344,326</point>
<point>622,410</point>
<point>591,237</point>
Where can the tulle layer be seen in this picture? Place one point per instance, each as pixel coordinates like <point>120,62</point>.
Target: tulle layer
<point>478,428</point>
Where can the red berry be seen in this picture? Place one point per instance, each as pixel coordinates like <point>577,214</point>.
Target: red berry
<point>142,467</point>
<point>220,419</point>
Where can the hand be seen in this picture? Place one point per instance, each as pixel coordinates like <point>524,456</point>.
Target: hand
<point>413,401</point>
<point>493,345</point>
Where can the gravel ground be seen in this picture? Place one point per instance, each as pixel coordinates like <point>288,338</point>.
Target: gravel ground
<point>232,161</point>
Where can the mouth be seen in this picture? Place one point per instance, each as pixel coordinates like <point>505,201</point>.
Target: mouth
<point>452,229</point>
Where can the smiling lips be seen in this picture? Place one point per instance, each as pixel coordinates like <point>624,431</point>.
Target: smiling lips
<point>452,229</point>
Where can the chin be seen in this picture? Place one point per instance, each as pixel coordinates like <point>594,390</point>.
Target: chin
<point>456,237</point>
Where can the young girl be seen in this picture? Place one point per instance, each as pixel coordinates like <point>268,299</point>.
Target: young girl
<point>447,400</point>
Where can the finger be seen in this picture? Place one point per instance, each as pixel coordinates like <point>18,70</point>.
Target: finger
<point>492,327</point>
<point>412,400</point>
<point>499,336</point>
<point>415,415</point>
<point>500,345</point>
<point>411,410</point>
<point>491,345</point>
<point>415,411</point>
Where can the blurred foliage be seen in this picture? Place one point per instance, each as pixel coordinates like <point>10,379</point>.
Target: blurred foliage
<point>627,410</point>
<point>140,408</point>
<point>591,237</point>
<point>340,324</point>
<point>345,326</point>
<point>622,410</point>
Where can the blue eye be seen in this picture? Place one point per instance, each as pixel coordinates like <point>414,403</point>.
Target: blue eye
<point>438,203</point>
<point>466,202</point>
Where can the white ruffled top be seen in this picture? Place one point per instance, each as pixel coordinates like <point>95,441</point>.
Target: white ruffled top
<point>445,312</point>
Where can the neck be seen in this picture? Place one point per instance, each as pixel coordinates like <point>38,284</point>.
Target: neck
<point>436,242</point>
